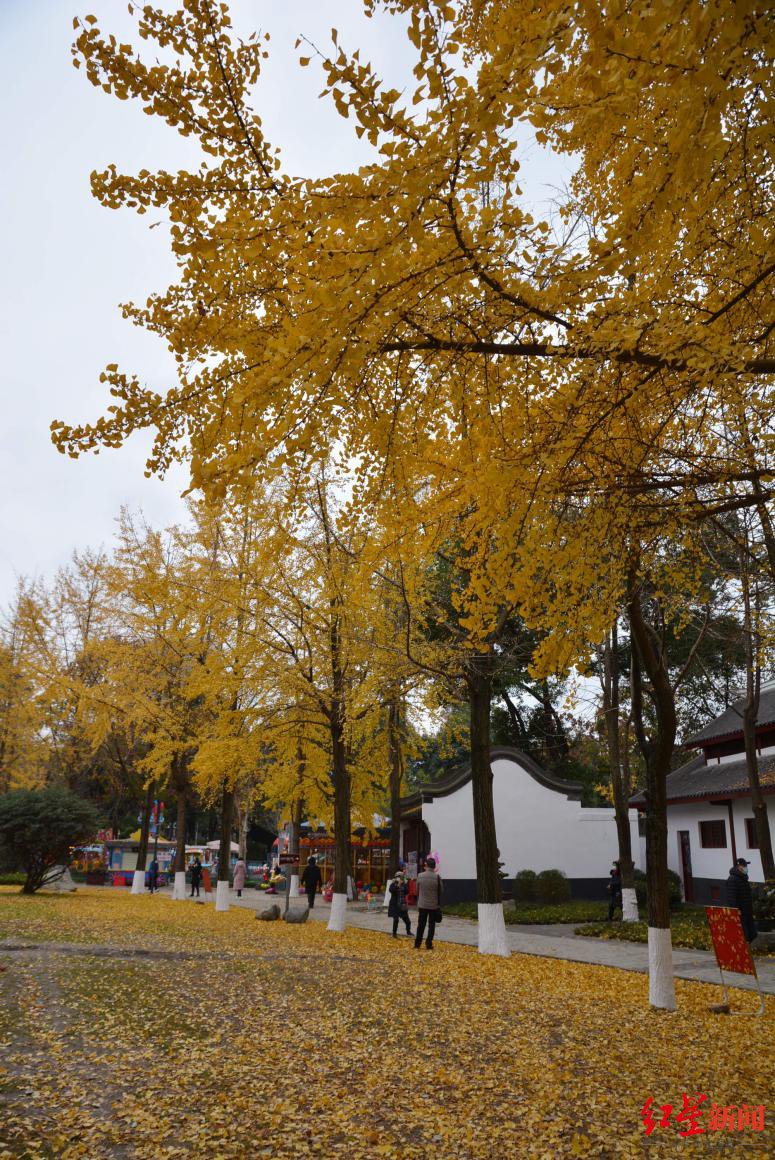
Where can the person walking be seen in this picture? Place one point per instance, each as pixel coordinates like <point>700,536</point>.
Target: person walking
<point>398,908</point>
<point>615,890</point>
<point>311,880</point>
<point>153,875</point>
<point>240,874</point>
<point>196,876</point>
<point>429,892</point>
<point>738,894</point>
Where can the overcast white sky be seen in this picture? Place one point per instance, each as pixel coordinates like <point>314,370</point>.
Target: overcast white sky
<point>67,263</point>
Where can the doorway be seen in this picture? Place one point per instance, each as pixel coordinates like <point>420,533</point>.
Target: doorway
<point>685,848</point>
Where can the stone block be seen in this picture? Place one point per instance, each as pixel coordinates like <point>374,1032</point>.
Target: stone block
<point>271,914</point>
<point>296,915</point>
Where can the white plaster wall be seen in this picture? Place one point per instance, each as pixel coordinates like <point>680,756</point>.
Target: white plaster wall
<point>713,863</point>
<point>740,756</point>
<point>742,808</point>
<point>687,816</point>
<point>537,828</point>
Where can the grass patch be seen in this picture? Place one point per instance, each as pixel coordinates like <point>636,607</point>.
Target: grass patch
<point>688,927</point>
<point>533,914</point>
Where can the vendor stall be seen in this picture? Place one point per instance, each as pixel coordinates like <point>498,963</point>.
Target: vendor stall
<point>369,860</point>
<point>121,859</point>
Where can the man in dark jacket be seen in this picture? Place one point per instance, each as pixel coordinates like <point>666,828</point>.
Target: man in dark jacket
<point>196,876</point>
<point>311,879</point>
<point>615,890</point>
<point>739,895</point>
<point>429,891</point>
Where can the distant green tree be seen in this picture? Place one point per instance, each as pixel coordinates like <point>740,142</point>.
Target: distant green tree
<point>432,755</point>
<point>39,828</point>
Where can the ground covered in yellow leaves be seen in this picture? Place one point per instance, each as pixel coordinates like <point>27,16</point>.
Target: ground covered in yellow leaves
<point>173,1031</point>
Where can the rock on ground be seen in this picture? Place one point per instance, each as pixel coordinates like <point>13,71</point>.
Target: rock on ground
<point>297,915</point>
<point>271,914</point>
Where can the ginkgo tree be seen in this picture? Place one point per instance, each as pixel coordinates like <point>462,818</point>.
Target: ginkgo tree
<point>598,358</point>
<point>321,619</point>
<point>24,749</point>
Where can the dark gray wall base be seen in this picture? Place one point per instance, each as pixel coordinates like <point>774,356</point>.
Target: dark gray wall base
<point>709,891</point>
<point>589,889</point>
<point>459,890</point>
<point>464,889</point>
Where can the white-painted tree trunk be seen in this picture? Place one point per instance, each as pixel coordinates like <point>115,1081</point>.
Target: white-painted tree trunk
<point>661,980</point>
<point>492,929</point>
<point>222,895</point>
<point>294,886</point>
<point>138,882</point>
<point>338,918</point>
<point>179,889</point>
<point>629,904</point>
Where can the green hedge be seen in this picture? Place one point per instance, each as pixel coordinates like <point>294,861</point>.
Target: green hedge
<point>525,886</point>
<point>534,915</point>
<point>764,905</point>
<point>673,889</point>
<point>549,886</point>
<point>12,878</point>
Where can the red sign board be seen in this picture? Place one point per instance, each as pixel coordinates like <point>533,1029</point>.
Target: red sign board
<point>729,942</point>
<point>288,859</point>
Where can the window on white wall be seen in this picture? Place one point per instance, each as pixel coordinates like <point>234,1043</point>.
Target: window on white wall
<point>713,835</point>
<point>751,837</point>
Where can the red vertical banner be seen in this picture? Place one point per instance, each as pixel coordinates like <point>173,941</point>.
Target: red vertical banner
<point>729,942</point>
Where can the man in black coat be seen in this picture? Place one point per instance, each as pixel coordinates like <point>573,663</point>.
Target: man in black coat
<point>615,890</point>
<point>739,894</point>
<point>311,879</point>
<point>196,876</point>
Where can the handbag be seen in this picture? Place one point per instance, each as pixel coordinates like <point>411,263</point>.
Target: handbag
<point>438,915</point>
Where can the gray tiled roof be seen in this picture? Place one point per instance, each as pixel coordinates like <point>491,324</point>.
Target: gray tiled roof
<point>717,780</point>
<point>731,720</point>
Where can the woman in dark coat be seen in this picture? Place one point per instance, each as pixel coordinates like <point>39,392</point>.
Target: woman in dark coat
<point>397,907</point>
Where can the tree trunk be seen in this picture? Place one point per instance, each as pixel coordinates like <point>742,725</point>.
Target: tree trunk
<point>181,791</point>
<point>224,850</point>
<point>750,713</point>
<point>293,845</point>
<point>244,825</point>
<point>620,785</point>
<point>657,751</point>
<point>492,926</point>
<point>138,879</point>
<point>337,720</point>
<point>342,820</point>
<point>396,759</point>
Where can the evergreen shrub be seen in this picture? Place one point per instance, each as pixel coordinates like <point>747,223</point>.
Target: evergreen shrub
<point>552,886</point>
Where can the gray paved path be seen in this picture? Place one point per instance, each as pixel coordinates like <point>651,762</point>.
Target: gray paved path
<point>554,942</point>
